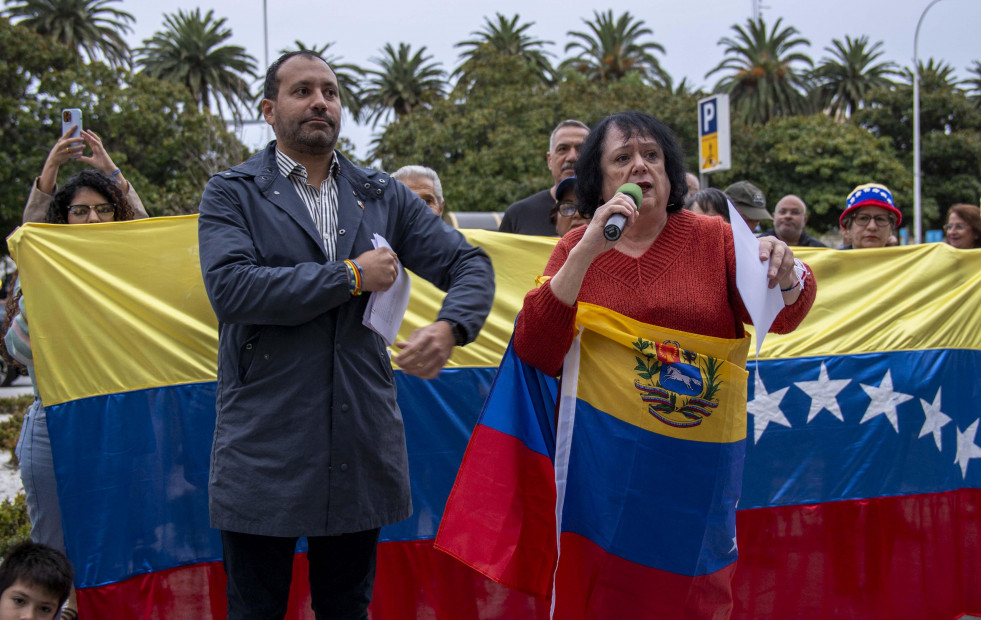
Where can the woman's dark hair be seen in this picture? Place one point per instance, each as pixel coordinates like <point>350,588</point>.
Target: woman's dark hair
<point>710,198</point>
<point>95,180</point>
<point>971,215</point>
<point>589,171</point>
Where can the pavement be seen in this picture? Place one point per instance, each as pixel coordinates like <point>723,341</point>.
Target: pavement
<point>22,385</point>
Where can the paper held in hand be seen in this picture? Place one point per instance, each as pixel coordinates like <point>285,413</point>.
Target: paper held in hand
<point>386,309</point>
<point>762,303</point>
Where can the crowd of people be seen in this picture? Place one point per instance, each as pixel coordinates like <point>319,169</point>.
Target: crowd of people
<point>535,215</point>
<point>287,259</point>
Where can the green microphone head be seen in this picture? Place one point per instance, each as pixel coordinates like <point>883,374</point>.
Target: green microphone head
<point>633,190</point>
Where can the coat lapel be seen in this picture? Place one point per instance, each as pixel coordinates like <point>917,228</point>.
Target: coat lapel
<point>350,212</point>
<point>279,191</point>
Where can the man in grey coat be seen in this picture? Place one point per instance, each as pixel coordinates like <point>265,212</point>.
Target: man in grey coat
<point>309,440</point>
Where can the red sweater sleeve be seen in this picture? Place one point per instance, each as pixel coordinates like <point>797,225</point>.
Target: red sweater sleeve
<point>546,327</point>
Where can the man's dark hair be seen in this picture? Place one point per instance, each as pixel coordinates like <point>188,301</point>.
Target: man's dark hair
<point>38,565</point>
<point>271,88</point>
<point>95,180</point>
<point>589,171</point>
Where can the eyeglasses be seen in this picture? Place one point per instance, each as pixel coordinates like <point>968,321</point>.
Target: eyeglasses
<point>567,209</point>
<point>102,209</point>
<point>955,227</point>
<point>881,221</point>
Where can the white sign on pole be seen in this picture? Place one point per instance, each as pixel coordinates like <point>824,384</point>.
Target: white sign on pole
<point>713,134</point>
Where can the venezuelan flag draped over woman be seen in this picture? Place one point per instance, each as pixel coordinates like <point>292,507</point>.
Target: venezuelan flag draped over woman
<point>651,430</point>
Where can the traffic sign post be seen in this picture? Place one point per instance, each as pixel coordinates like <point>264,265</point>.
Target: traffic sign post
<point>713,133</point>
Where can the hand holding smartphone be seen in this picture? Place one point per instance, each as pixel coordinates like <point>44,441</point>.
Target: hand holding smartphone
<point>71,118</point>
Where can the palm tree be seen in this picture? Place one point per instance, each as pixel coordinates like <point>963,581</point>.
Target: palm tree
<point>973,83</point>
<point>614,49</point>
<point>90,26</point>
<point>844,80</point>
<point>934,75</point>
<point>763,80</point>
<point>404,82</point>
<point>187,52</point>
<point>348,77</point>
<point>506,38</point>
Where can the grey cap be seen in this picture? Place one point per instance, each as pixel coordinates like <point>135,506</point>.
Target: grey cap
<point>749,200</point>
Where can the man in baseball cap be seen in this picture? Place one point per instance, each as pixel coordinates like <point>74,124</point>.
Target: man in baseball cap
<point>749,201</point>
<point>870,216</point>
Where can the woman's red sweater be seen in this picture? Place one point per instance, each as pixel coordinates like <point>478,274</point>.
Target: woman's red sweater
<point>685,281</point>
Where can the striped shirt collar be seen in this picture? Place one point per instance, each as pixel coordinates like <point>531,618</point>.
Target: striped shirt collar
<point>288,165</point>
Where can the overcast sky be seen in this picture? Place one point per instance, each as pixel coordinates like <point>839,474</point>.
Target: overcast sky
<point>688,30</point>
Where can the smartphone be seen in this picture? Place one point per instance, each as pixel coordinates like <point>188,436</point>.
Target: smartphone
<point>71,118</point>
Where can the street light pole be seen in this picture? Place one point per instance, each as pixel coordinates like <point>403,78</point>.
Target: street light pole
<point>917,207</point>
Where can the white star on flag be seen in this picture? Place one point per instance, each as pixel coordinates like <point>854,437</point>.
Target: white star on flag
<point>884,401</point>
<point>966,448</point>
<point>935,419</point>
<point>766,408</point>
<point>824,394</point>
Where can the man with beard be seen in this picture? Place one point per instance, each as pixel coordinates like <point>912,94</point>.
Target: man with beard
<point>531,215</point>
<point>788,223</point>
<point>309,440</point>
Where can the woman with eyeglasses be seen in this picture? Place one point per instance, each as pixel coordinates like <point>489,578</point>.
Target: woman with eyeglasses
<point>89,197</point>
<point>66,149</point>
<point>565,214</point>
<point>963,227</point>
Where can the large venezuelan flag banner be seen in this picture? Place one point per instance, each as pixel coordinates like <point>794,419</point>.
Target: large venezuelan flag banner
<point>861,480</point>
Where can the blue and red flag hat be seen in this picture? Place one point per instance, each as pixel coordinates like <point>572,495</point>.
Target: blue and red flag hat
<point>870,195</point>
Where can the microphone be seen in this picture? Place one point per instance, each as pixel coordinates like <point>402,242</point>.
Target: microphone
<point>614,225</point>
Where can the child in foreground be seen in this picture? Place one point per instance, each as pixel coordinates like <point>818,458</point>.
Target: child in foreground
<point>35,581</point>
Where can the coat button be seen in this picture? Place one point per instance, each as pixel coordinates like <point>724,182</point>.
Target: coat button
<point>382,181</point>
<point>378,191</point>
<point>367,185</point>
<point>343,466</point>
<point>266,356</point>
<point>248,347</point>
<point>276,192</point>
<point>344,407</point>
<point>341,231</point>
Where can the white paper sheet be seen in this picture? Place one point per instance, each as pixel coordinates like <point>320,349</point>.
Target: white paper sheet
<point>762,303</point>
<point>386,309</point>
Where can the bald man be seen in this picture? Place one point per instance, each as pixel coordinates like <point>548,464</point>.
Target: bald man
<point>789,219</point>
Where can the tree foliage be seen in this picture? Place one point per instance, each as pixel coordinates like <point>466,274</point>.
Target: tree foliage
<point>817,159</point>
<point>950,140</point>
<point>763,73</point>
<point>89,26</point>
<point>489,149</point>
<point>152,129</point>
<point>973,83</point>
<point>403,82</point>
<point>845,78</point>
<point>189,51</point>
<point>504,37</point>
<point>615,48</point>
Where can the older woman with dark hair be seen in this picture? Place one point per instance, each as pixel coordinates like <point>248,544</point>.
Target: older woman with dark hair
<point>87,198</point>
<point>963,227</point>
<point>670,269</point>
<point>709,201</point>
